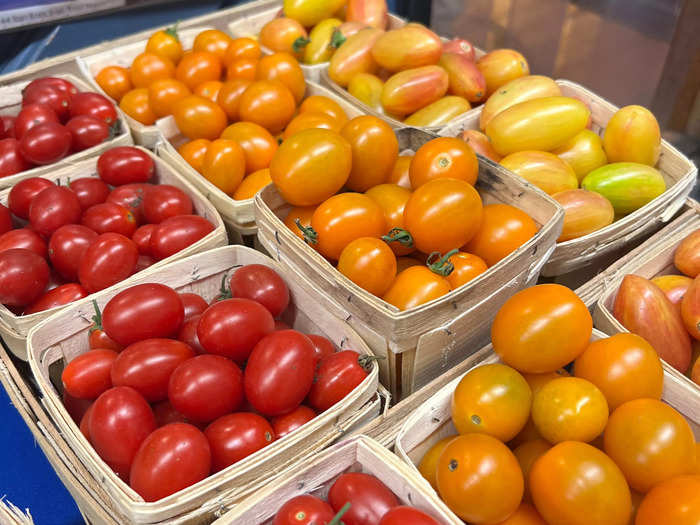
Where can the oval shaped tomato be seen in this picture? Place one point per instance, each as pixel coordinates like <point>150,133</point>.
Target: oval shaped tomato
<point>199,118</point>
<point>304,510</point>
<point>110,258</point>
<point>109,217</point>
<point>375,149</point>
<point>268,103</point>
<point>674,501</point>
<point>165,43</point>
<point>61,84</point>
<point>33,115</point>
<point>164,201</point>
<point>323,347</point>
<point>147,68</point>
<point>224,164</point>
<point>445,157</point>
<point>86,132</point>
<point>408,91</point>
<point>284,34</point>
<point>243,47</point>
<point>136,104</point>
<point>124,165</point>
<point>414,286</point>
<point>197,67</point>
<point>52,208</point>
<point>88,375</point>
<point>23,193</point>
<point>286,423</point>
<point>93,105</point>
<point>338,374</point>
<point>11,159</point>
<point>23,277</point>
<point>46,143</point>
<point>369,263</point>
<point>354,56</point>
<point>403,515</point>
<point>193,304</point>
<point>262,284</point>
<point>131,196</point>
<point>258,145</point>
<point>177,233</point>
<point>164,94</point>
<point>188,334</point>
<point>252,184</point>
<point>142,238</point>
<point>369,498</point>
<point>67,246</point>
<point>90,191</point>
<point>115,81</point>
<point>325,105</point>
<point>58,296</point>
<point>284,68</point>
<point>23,238</point>
<point>236,436</point>
<point>501,66</point>
<point>57,99</point>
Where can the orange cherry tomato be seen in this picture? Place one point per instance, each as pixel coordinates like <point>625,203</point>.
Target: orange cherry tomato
<point>491,399</point>
<point>369,263</point>
<point>230,94</point>
<point>252,184</point>
<point>392,200</point>
<point>163,94</point>
<point>574,483</point>
<point>328,106</point>
<point>115,81</point>
<point>503,230</point>
<point>414,286</point>
<point>284,35</point>
<point>650,442</point>
<point>212,41</point>
<point>343,218</point>
<point>541,328</point>
<point>135,104</point>
<point>224,165</point>
<point>197,67</point>
<point>193,152</point>
<point>258,144</point>
<point>479,478</point>
<point>244,68</point>
<point>525,514</point>
<point>400,172</point>
<point>374,151</point>
<point>309,120</point>
<point>443,215</point>
<point>467,266</point>
<point>445,157</point>
<point>284,68</point>
<point>304,214</point>
<point>676,501</point>
<point>268,103</point>
<point>199,118</point>
<point>243,47</point>
<point>147,68</point>
<point>526,454</point>
<point>428,464</point>
<point>165,44</point>
<point>209,89</point>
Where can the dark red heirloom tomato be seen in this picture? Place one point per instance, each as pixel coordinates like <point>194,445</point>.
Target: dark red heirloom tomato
<point>61,84</point>
<point>9,123</point>
<point>131,196</point>
<point>5,219</point>
<point>323,347</point>
<point>31,116</point>
<point>286,423</point>
<point>165,201</point>
<point>97,337</point>
<point>85,423</point>
<point>143,311</point>
<point>90,191</point>
<point>262,284</point>
<point>206,387</point>
<point>58,100</point>
<point>53,208</point>
<point>404,515</point>
<point>369,498</point>
<point>11,159</point>
<point>233,327</point>
<point>236,436</point>
<point>172,458</point>
<point>142,238</point>
<point>109,259</point>
<point>193,304</point>
<point>177,233</point>
<point>188,334</point>
<point>67,246</point>
<point>146,366</point>
<point>93,105</point>
<point>304,510</point>
<point>23,277</point>
<point>125,165</point>
<point>120,420</point>
<point>75,407</point>
<point>60,295</point>
<point>88,375</point>
<point>279,372</point>
<point>165,413</point>
<point>86,132</point>
<point>338,374</point>
<point>23,238</point>
<point>23,193</point>
<point>109,217</point>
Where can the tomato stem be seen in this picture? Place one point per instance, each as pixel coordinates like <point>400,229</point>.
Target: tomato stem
<point>224,291</point>
<point>341,512</point>
<point>337,38</point>
<point>172,31</point>
<point>399,235</point>
<point>366,360</point>
<point>97,318</point>
<point>441,266</point>
<point>310,235</point>
<point>300,43</point>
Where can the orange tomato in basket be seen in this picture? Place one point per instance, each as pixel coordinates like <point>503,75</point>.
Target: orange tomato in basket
<point>303,214</point>
<point>284,35</point>
<point>481,144</point>
<point>212,41</point>
<point>325,105</point>
<point>135,103</point>
<point>284,68</point>
<point>309,120</point>
<point>239,48</point>
<point>392,199</point>
<point>414,286</point>
<point>372,13</point>
<point>147,68</point>
<point>354,57</point>
<point>545,170</point>
<point>633,135</point>
<point>500,67</point>
<point>408,47</point>
<point>224,165</point>
<point>584,212</point>
<point>675,501</point>
<point>400,173</point>
<point>209,90</point>
<point>369,263</point>
<point>230,94</point>
<point>367,88</point>
<point>193,152</point>
<point>244,68</point>
<point>252,184</point>
<point>687,255</point>
<point>199,118</point>
<point>428,464</point>
<point>163,94</point>
<point>268,103</point>
<point>115,81</point>
<point>527,453</point>
<point>408,91</point>
<point>444,157</point>
<point>197,67</point>
<point>258,144</point>
<point>165,44</point>
<point>467,266</point>
<point>374,151</point>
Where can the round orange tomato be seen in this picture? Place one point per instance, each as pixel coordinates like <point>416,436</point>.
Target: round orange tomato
<point>400,172</point>
<point>676,501</point>
<point>443,215</point>
<point>258,144</point>
<point>650,442</point>
<point>224,165</point>
<point>135,104</point>
<point>284,68</point>
<point>252,184</point>
<point>147,68</point>
<point>576,484</point>
<point>328,106</point>
<point>503,230</point>
<point>343,218</point>
<point>243,68</point>
<point>309,120</point>
<point>428,464</point>
<point>243,47</point>
<point>193,152</point>
<point>268,103</point>
<point>541,328</point>
<point>445,157</point>
<point>165,44</point>
<point>163,94</point>
<point>197,67</point>
<point>369,263</point>
<point>199,118</point>
<point>392,199</point>
<point>301,213</point>
<point>491,399</point>
<point>527,453</point>
<point>479,478</point>
<point>467,266</point>
<point>284,35</point>
<point>115,81</point>
<point>414,286</point>
<point>230,94</point>
<point>209,89</point>
<point>311,166</point>
<point>526,514</point>
<point>212,41</point>
<point>374,151</point>
<point>624,367</point>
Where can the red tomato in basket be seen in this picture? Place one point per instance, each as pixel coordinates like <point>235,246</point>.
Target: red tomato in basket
<point>404,515</point>
<point>193,304</point>
<point>338,374</point>
<point>11,159</point>
<point>286,423</point>
<point>369,498</point>
<point>90,191</point>
<point>172,458</point>
<point>8,122</point>
<point>23,277</point>
<point>120,420</point>
<point>33,115</point>
<point>232,327</point>
<point>188,334</point>
<point>86,131</point>
<point>131,196</point>
<point>323,347</point>
<point>109,217</point>
<point>5,219</point>
<point>97,337</point>
<point>67,246</point>
<point>85,423</point>
<point>75,407</point>
<point>93,105</point>
<point>165,413</point>
<point>22,194</point>
<point>262,284</point>
<point>88,375</point>
<point>164,201</point>
<point>304,510</point>
<point>142,238</point>
<point>125,165</point>
<point>234,437</point>
<point>177,233</point>
<point>61,84</point>
<point>54,207</point>
<point>109,259</point>
<point>23,238</point>
<point>143,311</point>
<point>59,101</point>
<point>45,144</point>
<point>57,296</point>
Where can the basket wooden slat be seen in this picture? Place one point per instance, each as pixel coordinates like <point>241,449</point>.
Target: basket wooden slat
<point>11,103</point>
<point>64,336</point>
<point>14,328</point>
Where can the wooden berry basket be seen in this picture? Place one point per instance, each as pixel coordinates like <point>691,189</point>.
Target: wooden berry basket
<point>63,336</point>
<point>424,342</point>
<point>316,475</point>
<point>11,103</point>
<point>14,328</point>
<point>677,170</point>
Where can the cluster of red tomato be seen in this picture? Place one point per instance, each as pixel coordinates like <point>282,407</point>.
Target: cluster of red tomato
<point>355,498</point>
<point>223,380</point>
<point>55,120</point>
<point>93,236</point>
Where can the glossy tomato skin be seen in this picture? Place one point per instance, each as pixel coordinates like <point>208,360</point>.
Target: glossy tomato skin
<point>193,304</point>
<point>86,132</point>
<point>233,327</point>
<point>90,191</point>
<point>177,233</point>
<point>170,459</point>
<point>23,277</point>
<point>58,296</point>
<point>52,208</point>
<point>11,159</point>
<point>164,201</point>
<point>142,238</point>
<point>323,347</point>
<point>188,334</point>
<point>338,374</point>
<point>262,284</point>
<point>369,498</point>
<point>61,84</point>
<point>279,372</point>
<point>23,238</point>
<point>67,245</point>
<point>674,501</point>
<point>146,366</point>
<point>23,193</point>
<point>85,423</point>
<point>304,510</point>
<point>75,407</point>
<point>5,219</point>
<point>109,217</point>
<point>405,515</point>
<point>124,165</point>
<point>120,420</point>
<point>9,124</point>
<point>33,115</point>
<point>46,143</point>
<point>199,118</point>
<point>206,387</point>
<point>88,375</point>
<point>233,437</point>
<point>109,259</point>
<point>57,100</point>
<point>143,311</point>
<point>286,423</point>
<point>93,105</point>
<point>131,196</point>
